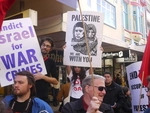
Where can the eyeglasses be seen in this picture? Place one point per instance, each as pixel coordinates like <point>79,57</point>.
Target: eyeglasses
<point>47,46</point>
<point>100,88</point>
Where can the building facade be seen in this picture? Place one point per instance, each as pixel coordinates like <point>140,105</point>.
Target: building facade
<point>126,25</point>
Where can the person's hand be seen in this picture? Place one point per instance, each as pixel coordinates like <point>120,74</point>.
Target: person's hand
<point>94,106</point>
<point>114,106</point>
<point>38,76</point>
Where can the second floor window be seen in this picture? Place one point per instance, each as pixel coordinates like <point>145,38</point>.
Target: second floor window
<point>109,12</point>
<point>135,22</point>
<point>138,19</point>
<point>125,15</point>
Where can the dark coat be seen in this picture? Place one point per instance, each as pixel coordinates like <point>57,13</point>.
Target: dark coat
<point>77,107</point>
<point>42,86</point>
<point>126,107</point>
<point>114,94</point>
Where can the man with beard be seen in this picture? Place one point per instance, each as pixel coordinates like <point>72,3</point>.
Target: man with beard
<point>23,100</point>
<point>43,82</point>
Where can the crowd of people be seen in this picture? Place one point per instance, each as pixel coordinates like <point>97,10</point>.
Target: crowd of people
<point>87,94</point>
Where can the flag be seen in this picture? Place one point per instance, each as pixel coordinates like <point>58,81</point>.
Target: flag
<point>145,66</point>
<point>4,7</point>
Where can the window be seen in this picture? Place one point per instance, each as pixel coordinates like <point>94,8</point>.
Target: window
<point>138,20</point>
<point>141,20</point>
<point>135,22</point>
<point>141,23</point>
<point>125,15</point>
<point>109,12</point>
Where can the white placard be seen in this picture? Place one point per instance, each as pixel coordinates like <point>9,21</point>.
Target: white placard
<point>76,52</point>
<point>134,85</point>
<point>19,50</point>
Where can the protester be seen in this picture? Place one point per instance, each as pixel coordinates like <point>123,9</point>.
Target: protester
<point>63,93</point>
<point>91,101</point>
<point>76,75</point>
<point>114,94</point>
<point>118,79</point>
<point>126,107</point>
<point>23,99</point>
<point>43,82</point>
<point>148,95</point>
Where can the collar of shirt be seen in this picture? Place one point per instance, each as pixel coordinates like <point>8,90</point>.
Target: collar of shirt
<point>85,106</point>
<point>45,58</point>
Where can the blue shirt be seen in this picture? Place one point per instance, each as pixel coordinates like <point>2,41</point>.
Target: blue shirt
<point>39,106</point>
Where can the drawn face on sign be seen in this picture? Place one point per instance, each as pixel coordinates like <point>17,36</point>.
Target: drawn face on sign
<point>91,32</point>
<point>79,32</point>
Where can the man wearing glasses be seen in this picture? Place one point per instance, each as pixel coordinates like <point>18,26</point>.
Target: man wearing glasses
<point>43,82</point>
<point>91,102</point>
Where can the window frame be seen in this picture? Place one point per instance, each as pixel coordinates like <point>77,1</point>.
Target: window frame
<point>125,15</point>
<point>109,10</point>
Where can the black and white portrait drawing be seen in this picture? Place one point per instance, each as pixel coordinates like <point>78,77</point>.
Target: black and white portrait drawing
<point>83,38</point>
<point>79,42</point>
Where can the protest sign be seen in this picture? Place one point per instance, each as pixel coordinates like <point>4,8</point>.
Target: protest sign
<point>134,85</point>
<point>19,50</point>
<point>76,52</point>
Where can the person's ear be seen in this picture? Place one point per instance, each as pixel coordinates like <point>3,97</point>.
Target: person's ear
<point>87,89</point>
<point>30,86</point>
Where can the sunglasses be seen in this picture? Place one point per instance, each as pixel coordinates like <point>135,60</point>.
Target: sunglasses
<point>101,88</point>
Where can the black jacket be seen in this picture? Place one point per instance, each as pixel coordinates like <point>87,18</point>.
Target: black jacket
<point>77,107</point>
<point>127,107</point>
<point>114,94</point>
<point>41,85</point>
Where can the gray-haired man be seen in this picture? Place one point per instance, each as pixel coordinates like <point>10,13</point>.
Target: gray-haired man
<point>91,101</point>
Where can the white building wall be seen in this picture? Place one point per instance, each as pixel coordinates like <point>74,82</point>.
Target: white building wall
<point>108,31</point>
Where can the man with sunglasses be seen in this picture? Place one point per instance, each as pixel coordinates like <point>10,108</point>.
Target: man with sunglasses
<point>114,94</point>
<point>91,102</point>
